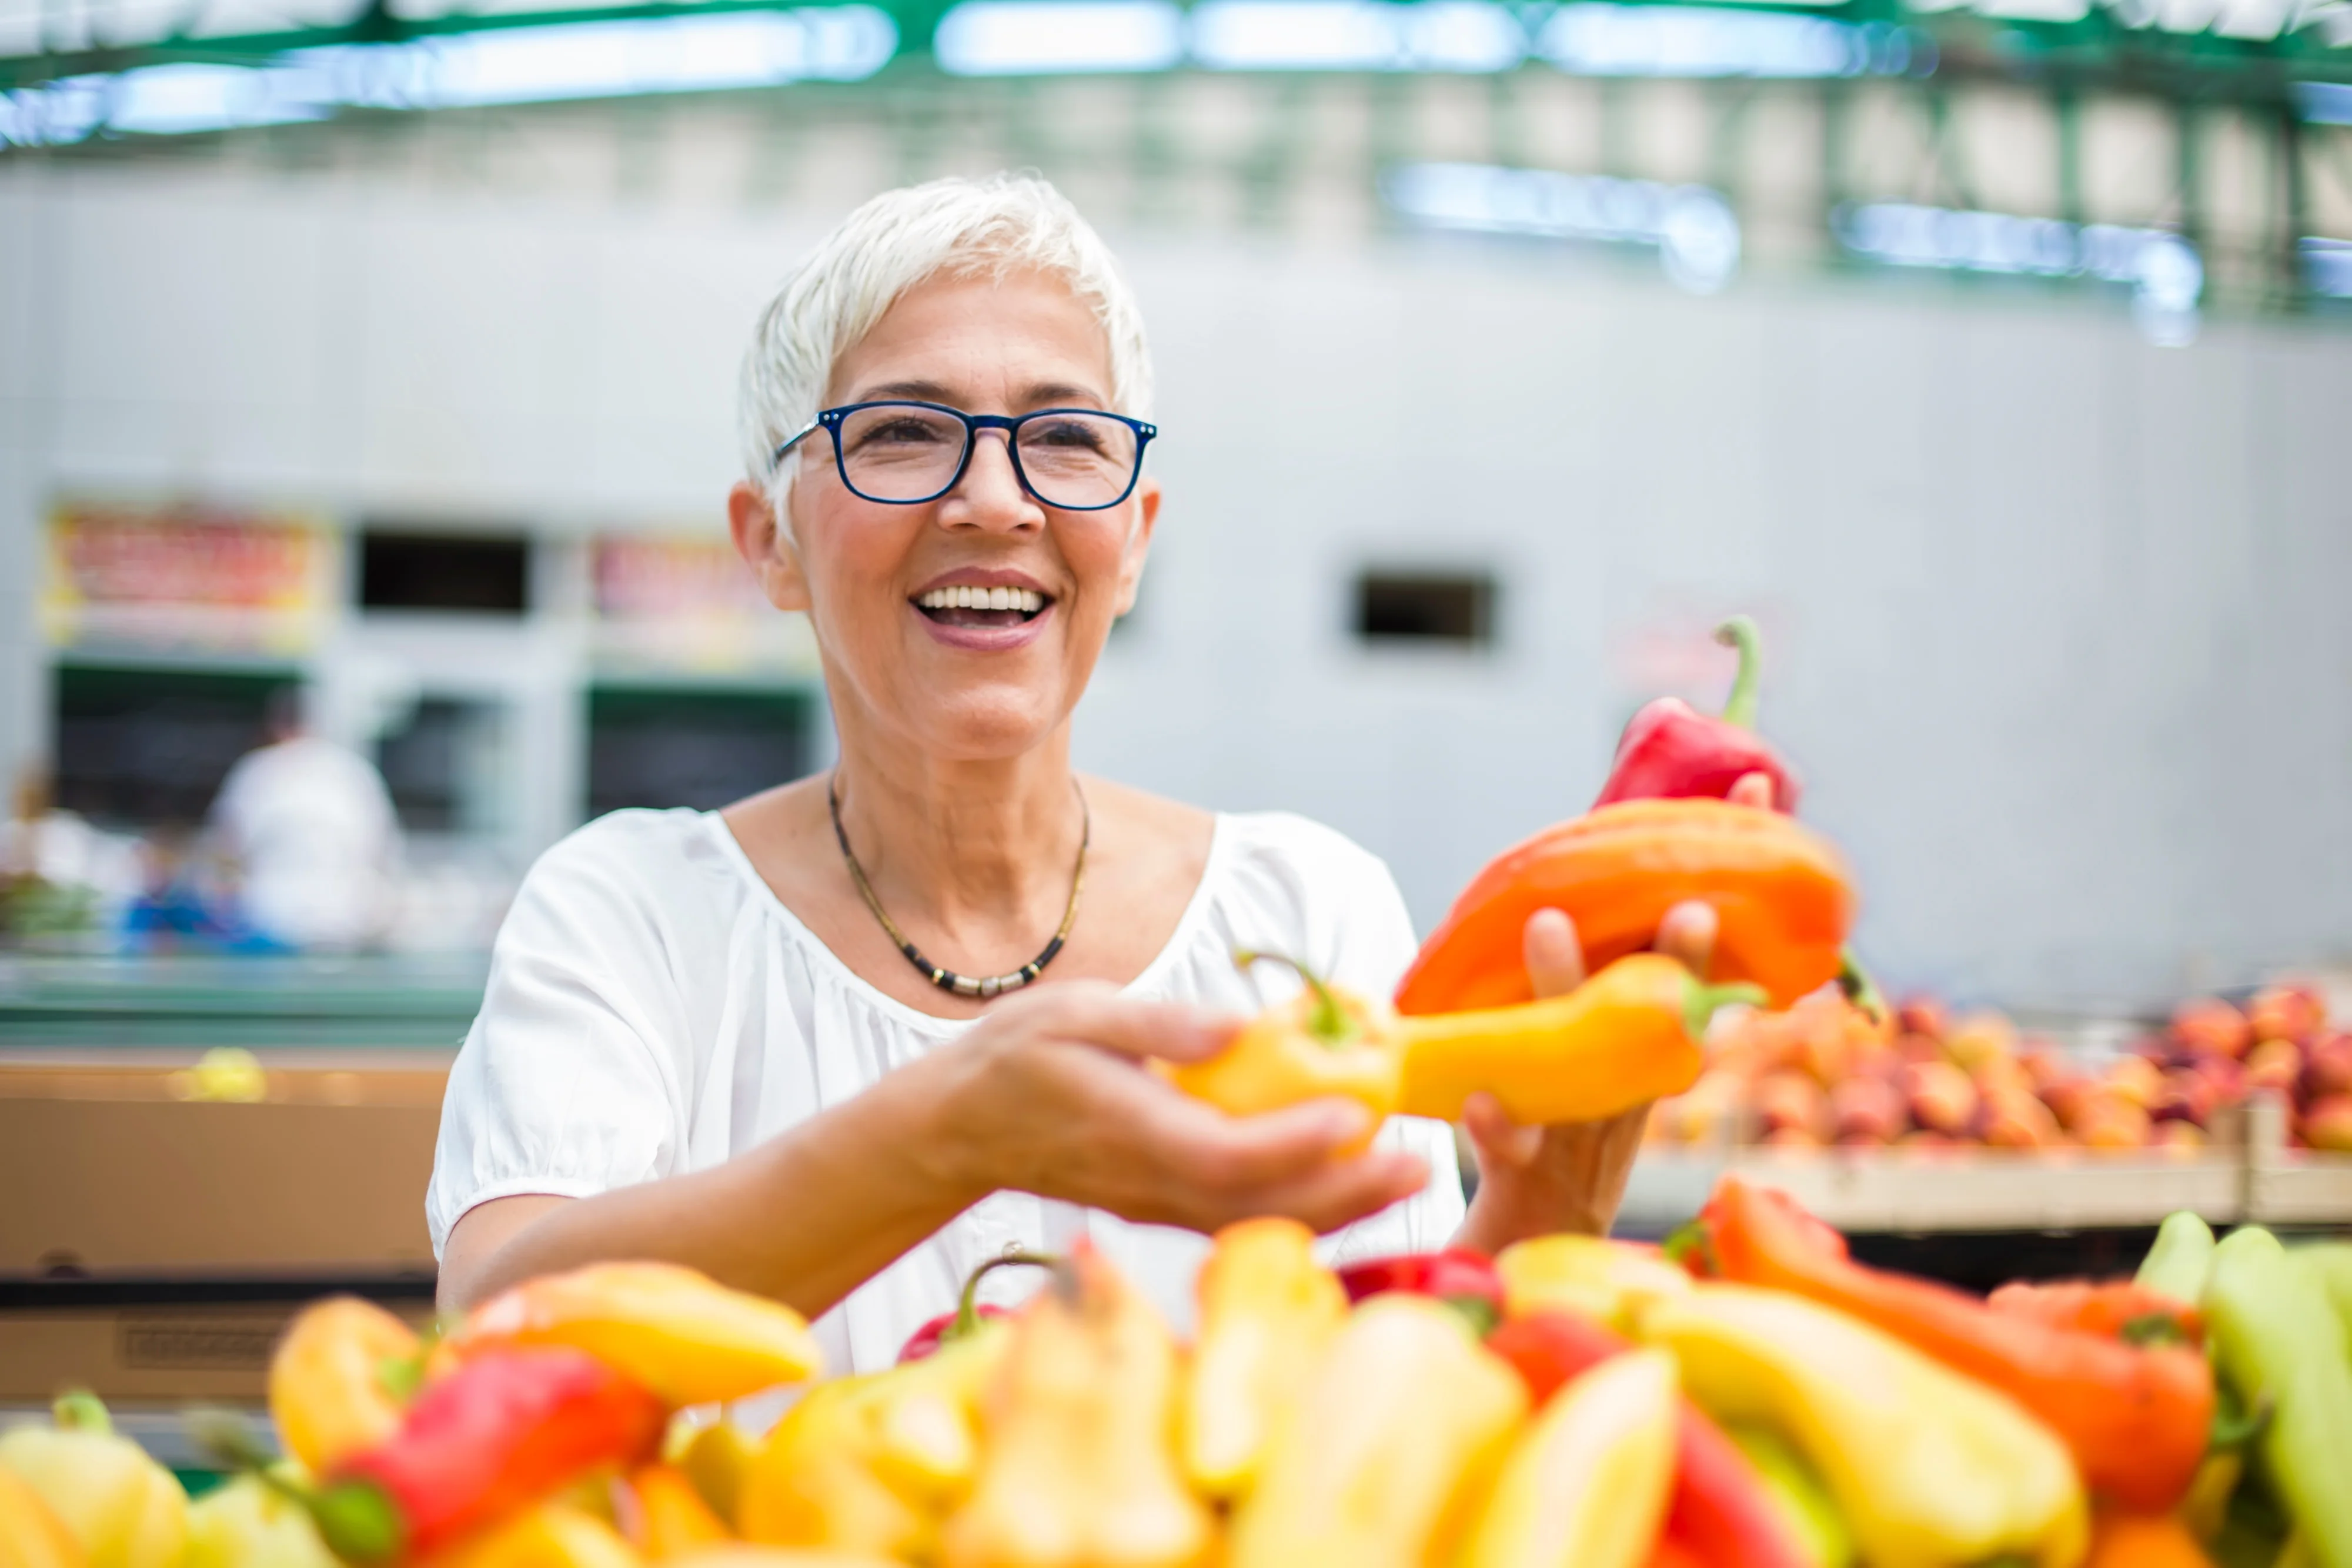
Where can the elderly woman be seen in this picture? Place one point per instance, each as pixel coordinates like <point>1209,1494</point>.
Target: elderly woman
<point>846,1040</point>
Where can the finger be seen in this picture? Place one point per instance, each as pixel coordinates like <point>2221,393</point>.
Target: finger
<point>1195,1145</point>
<point>1099,1014</point>
<point>1348,1190</point>
<point>1499,1140</point>
<point>1687,934</point>
<point>1751,790</point>
<point>1554,954</point>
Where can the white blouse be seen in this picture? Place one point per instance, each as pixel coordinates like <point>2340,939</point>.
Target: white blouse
<point>653,1010</point>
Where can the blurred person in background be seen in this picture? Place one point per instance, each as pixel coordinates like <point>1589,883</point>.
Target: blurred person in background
<point>307,830</point>
<point>846,1040</point>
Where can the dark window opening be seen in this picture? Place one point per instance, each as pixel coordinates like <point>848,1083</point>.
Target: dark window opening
<point>1425,607</point>
<point>485,573</point>
<point>442,766</point>
<point>149,747</point>
<point>649,747</point>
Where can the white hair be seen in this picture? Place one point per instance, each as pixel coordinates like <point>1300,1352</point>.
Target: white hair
<point>956,227</point>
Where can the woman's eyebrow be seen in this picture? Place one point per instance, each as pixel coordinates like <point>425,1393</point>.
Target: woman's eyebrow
<point>1039,394</point>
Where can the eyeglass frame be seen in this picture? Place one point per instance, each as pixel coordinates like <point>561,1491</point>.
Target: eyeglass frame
<point>830,419</point>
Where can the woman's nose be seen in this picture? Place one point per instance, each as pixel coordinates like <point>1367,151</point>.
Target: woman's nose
<point>990,495</point>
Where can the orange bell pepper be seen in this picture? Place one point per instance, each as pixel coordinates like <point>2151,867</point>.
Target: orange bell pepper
<point>1326,1041</point>
<point>1626,1036</point>
<point>1779,891</point>
<point>2143,1541</point>
<point>667,1518</point>
<point>683,1336</point>
<point>551,1535</point>
<point>340,1379</point>
<point>2136,1420</point>
<point>1268,1309</point>
<point>2112,1309</point>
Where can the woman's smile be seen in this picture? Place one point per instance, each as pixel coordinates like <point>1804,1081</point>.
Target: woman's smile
<point>986,611</point>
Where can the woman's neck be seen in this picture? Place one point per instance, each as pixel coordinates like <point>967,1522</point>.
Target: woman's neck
<point>978,851</point>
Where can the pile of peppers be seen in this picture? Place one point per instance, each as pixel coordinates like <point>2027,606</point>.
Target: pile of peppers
<point>1746,1395</point>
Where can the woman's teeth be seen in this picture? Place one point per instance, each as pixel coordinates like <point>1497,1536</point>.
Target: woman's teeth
<point>1028,601</point>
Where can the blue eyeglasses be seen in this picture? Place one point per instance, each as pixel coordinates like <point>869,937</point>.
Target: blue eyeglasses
<point>904,454</point>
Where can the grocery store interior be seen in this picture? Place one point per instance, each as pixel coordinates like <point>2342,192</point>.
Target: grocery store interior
<point>368,368</point>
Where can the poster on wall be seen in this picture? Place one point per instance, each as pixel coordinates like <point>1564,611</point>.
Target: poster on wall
<point>187,577</point>
<point>687,603</point>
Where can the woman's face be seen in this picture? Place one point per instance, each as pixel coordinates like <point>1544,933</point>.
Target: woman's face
<point>959,684</point>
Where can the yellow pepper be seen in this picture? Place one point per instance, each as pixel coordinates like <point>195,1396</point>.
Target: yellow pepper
<point>1391,1442</point>
<point>715,1459</point>
<point>740,1556</point>
<point>1592,1276</point>
<point>1587,1485</point>
<point>813,1482</point>
<point>927,1415</point>
<point>339,1380</point>
<point>551,1535</point>
<point>668,1517</point>
<point>1929,1469</point>
<point>1078,1470</point>
<point>122,1508</point>
<point>1268,1309</point>
<point>248,1523</point>
<point>682,1335</point>
<point>1628,1036</point>
<point>1324,1042</point>
<point>31,1534</point>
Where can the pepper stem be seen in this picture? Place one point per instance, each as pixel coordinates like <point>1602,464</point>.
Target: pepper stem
<point>1859,989</point>
<point>79,1410</point>
<point>1330,1023</point>
<point>966,1317</point>
<point>1700,1002</point>
<point>1741,632</point>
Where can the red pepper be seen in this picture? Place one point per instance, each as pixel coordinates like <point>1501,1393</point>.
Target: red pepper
<point>1671,750</point>
<point>508,1427</point>
<point>2112,1309</point>
<point>1460,1277</point>
<point>2137,1420</point>
<point>968,1311</point>
<point>1719,1515</point>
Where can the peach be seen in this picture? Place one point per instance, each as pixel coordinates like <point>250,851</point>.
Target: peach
<point>2114,1125</point>
<point>2045,1065</point>
<point>2329,1069</point>
<point>2016,1121</point>
<point>2003,1075</point>
<point>1792,1138</point>
<point>2211,1024</point>
<point>1787,1101</point>
<point>2187,1096</point>
<point>2274,1064</point>
<point>2180,1139</point>
<point>2070,1098</point>
<point>1980,1037</point>
<point>2136,1079</point>
<point>1942,1097</point>
<point>2329,1124</point>
<point>1923,1015</point>
<point>2286,1012</point>
<point>1867,1110</point>
<point>1918,1047</point>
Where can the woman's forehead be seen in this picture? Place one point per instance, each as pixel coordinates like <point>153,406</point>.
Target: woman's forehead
<point>1024,339</point>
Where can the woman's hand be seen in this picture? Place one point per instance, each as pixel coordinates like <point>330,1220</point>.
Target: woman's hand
<point>1049,1094</point>
<point>1535,1180</point>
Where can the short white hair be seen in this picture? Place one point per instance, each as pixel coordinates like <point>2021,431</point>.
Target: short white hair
<point>956,227</point>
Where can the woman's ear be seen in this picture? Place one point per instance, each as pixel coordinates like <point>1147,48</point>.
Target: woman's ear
<point>766,549</point>
<point>1138,544</point>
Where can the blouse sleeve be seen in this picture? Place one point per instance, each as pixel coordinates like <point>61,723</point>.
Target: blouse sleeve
<point>1373,946</point>
<point>565,1084</point>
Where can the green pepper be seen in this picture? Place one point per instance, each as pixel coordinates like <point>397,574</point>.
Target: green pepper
<point>1802,1502</point>
<point>2331,1262</point>
<point>2177,1265</point>
<point>2277,1340</point>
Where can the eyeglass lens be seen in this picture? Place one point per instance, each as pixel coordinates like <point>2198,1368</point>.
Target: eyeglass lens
<point>905,451</point>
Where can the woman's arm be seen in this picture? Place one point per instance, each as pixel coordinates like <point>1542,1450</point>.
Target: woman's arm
<point>1047,1096</point>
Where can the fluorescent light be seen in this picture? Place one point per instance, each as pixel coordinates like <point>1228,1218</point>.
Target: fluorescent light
<point>2165,275</point>
<point>2325,102</point>
<point>1692,227</point>
<point>2327,266</point>
<point>1470,36</point>
<point>1592,39</point>
<point>1037,38</point>
<point>514,65</point>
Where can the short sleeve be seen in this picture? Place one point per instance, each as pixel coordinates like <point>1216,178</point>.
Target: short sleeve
<point>563,1085</point>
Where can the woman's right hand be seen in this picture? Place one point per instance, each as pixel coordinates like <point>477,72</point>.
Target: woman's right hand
<point>1049,1094</point>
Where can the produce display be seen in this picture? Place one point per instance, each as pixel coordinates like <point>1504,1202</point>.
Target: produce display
<point>1746,1395</point>
<point>1826,1071</point>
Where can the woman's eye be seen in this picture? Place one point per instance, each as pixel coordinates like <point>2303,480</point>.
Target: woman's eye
<point>901,433</point>
<point>1068,434</point>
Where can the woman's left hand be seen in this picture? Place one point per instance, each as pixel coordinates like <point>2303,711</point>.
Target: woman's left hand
<point>1535,1180</point>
